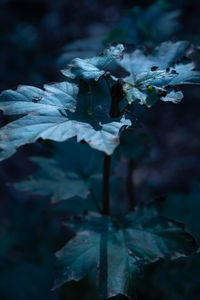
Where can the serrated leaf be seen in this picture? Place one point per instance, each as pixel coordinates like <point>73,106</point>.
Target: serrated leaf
<point>68,177</point>
<point>120,248</point>
<point>60,115</point>
<point>93,68</point>
<point>57,183</point>
<point>152,75</point>
<point>32,100</point>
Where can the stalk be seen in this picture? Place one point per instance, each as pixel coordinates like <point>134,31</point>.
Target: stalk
<point>106,185</point>
<point>130,185</point>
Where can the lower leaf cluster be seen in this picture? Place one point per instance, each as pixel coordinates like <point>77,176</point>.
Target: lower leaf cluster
<point>116,250</point>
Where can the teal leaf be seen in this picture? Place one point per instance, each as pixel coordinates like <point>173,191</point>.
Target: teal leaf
<point>66,176</point>
<point>59,115</point>
<point>152,75</point>
<point>52,180</point>
<point>117,250</point>
<point>32,100</point>
<point>95,67</point>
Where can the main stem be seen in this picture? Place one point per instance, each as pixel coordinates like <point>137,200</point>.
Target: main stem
<point>130,185</point>
<point>106,185</point>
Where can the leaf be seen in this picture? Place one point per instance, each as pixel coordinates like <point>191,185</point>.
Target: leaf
<point>57,183</point>
<point>68,177</point>
<point>158,73</point>
<point>93,68</point>
<point>120,248</point>
<point>60,115</point>
<point>47,102</point>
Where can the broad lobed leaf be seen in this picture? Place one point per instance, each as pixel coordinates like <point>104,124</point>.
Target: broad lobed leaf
<point>52,180</point>
<point>156,74</point>
<point>58,113</point>
<point>32,100</point>
<point>65,110</point>
<point>120,248</point>
<point>72,178</point>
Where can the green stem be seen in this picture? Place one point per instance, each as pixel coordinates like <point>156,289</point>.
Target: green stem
<point>106,185</point>
<point>130,185</point>
<point>107,81</point>
<point>96,203</point>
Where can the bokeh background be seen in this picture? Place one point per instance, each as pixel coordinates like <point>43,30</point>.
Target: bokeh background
<point>38,37</point>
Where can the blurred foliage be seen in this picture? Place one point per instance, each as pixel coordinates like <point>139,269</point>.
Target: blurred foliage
<point>146,26</point>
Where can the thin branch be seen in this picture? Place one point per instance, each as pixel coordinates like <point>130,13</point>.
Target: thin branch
<point>95,201</point>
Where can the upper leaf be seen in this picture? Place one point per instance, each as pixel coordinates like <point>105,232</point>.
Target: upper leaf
<point>60,113</point>
<point>93,68</point>
<point>155,75</point>
<point>32,100</point>
<point>120,249</point>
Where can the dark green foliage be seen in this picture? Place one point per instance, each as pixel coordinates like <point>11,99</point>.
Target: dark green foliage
<point>95,105</point>
<point>56,183</point>
<point>88,108</point>
<point>139,238</point>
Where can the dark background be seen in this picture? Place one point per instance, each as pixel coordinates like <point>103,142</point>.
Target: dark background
<point>33,34</point>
